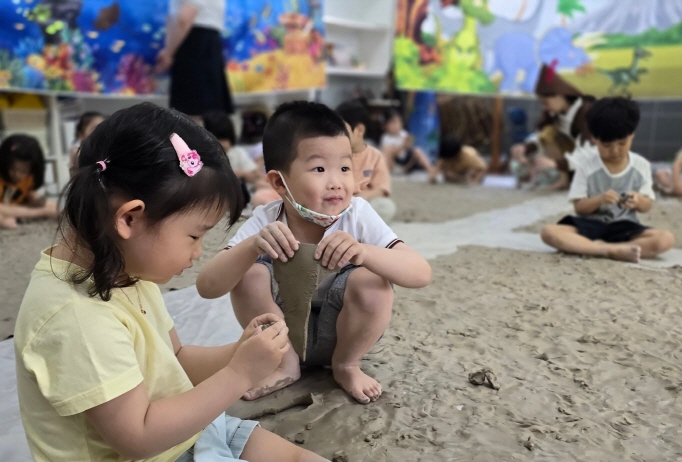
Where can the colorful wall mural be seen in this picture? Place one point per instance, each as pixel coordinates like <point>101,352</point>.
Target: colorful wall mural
<point>110,46</point>
<point>604,47</point>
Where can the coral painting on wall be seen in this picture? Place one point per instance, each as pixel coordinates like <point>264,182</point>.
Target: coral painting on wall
<point>275,45</point>
<point>110,46</point>
<point>78,46</point>
<point>604,47</point>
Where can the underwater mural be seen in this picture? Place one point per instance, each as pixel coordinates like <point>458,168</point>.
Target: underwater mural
<point>110,46</point>
<point>275,45</point>
<point>604,47</point>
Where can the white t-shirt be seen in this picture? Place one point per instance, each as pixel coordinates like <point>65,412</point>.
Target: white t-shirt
<point>361,222</point>
<point>255,151</point>
<point>395,140</point>
<point>211,13</point>
<point>592,178</point>
<point>240,160</point>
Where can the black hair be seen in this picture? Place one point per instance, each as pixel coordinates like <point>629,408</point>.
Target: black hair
<point>220,125</point>
<point>450,147</point>
<point>611,119</point>
<point>253,125</point>
<point>293,122</point>
<point>389,114</point>
<point>354,113</point>
<point>23,148</point>
<point>85,120</point>
<point>141,163</point>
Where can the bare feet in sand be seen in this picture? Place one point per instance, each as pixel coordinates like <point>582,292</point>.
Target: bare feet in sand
<point>287,373</point>
<point>359,385</point>
<point>8,223</point>
<point>625,252</point>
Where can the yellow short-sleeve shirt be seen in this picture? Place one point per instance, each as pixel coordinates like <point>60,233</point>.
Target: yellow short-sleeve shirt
<point>74,352</point>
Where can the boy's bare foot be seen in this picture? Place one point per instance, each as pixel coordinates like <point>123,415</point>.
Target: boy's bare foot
<point>359,385</point>
<point>8,223</point>
<point>625,252</point>
<point>287,373</point>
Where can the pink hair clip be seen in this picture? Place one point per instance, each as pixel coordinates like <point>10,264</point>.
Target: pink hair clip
<point>190,161</point>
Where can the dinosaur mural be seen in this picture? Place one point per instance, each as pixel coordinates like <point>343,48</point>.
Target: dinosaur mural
<point>490,46</point>
<point>622,77</point>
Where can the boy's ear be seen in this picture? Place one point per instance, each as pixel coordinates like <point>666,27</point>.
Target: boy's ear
<point>361,129</point>
<point>128,218</point>
<point>275,182</point>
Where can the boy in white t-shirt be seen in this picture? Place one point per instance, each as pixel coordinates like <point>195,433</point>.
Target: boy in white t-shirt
<point>611,184</point>
<point>398,147</point>
<point>308,157</point>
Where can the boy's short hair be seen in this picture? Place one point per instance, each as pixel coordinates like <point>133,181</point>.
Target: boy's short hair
<point>611,119</point>
<point>354,113</point>
<point>449,148</point>
<point>293,122</point>
<point>220,125</point>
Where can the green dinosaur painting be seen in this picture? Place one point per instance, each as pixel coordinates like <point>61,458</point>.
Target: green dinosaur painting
<point>464,47</point>
<point>622,77</point>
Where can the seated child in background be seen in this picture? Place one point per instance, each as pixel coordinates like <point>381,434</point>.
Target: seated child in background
<point>372,178</point>
<point>22,173</point>
<point>460,164</point>
<point>254,120</point>
<point>308,156</point>
<point>669,181</point>
<point>86,124</point>
<point>220,125</point>
<point>398,146</point>
<point>536,170</point>
<point>609,187</point>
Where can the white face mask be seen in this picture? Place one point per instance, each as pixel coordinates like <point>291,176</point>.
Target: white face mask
<point>310,215</point>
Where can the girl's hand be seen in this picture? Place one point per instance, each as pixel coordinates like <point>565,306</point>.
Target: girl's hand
<point>254,327</point>
<point>338,249</point>
<point>258,356</point>
<point>276,240</point>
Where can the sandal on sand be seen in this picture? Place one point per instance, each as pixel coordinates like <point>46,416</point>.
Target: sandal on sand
<point>298,280</point>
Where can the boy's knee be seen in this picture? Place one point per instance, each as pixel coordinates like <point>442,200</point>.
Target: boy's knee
<point>665,241</point>
<point>368,291</point>
<point>548,235</point>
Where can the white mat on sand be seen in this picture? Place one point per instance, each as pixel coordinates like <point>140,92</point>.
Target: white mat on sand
<point>212,322</point>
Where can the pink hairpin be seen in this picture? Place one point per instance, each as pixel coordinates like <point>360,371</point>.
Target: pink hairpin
<point>190,161</point>
<point>102,163</point>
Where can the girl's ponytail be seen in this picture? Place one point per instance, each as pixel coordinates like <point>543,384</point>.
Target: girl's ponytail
<point>89,213</point>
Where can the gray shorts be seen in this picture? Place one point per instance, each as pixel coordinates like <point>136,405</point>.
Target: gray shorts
<point>323,315</point>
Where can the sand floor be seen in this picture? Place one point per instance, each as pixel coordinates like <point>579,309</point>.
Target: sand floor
<point>586,352</point>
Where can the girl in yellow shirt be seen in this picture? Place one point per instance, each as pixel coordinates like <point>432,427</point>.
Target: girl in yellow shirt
<point>101,372</point>
<point>22,171</point>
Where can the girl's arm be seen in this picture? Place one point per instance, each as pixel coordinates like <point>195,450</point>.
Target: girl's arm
<point>177,32</point>
<point>225,270</point>
<point>401,265</point>
<point>22,211</point>
<point>201,362</point>
<point>136,428</point>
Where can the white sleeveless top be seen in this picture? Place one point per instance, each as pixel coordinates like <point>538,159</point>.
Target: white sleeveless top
<point>211,12</point>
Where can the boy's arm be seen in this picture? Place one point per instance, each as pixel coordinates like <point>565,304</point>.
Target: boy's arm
<point>401,265</point>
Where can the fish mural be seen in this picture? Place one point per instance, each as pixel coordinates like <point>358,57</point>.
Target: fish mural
<point>604,47</point>
<point>110,46</point>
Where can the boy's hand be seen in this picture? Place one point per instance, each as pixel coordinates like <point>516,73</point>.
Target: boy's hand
<point>276,240</point>
<point>255,325</point>
<point>610,197</point>
<point>632,200</point>
<point>260,355</point>
<point>339,248</point>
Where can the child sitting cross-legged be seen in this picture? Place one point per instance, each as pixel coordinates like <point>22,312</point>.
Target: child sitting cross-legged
<point>610,186</point>
<point>308,157</point>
